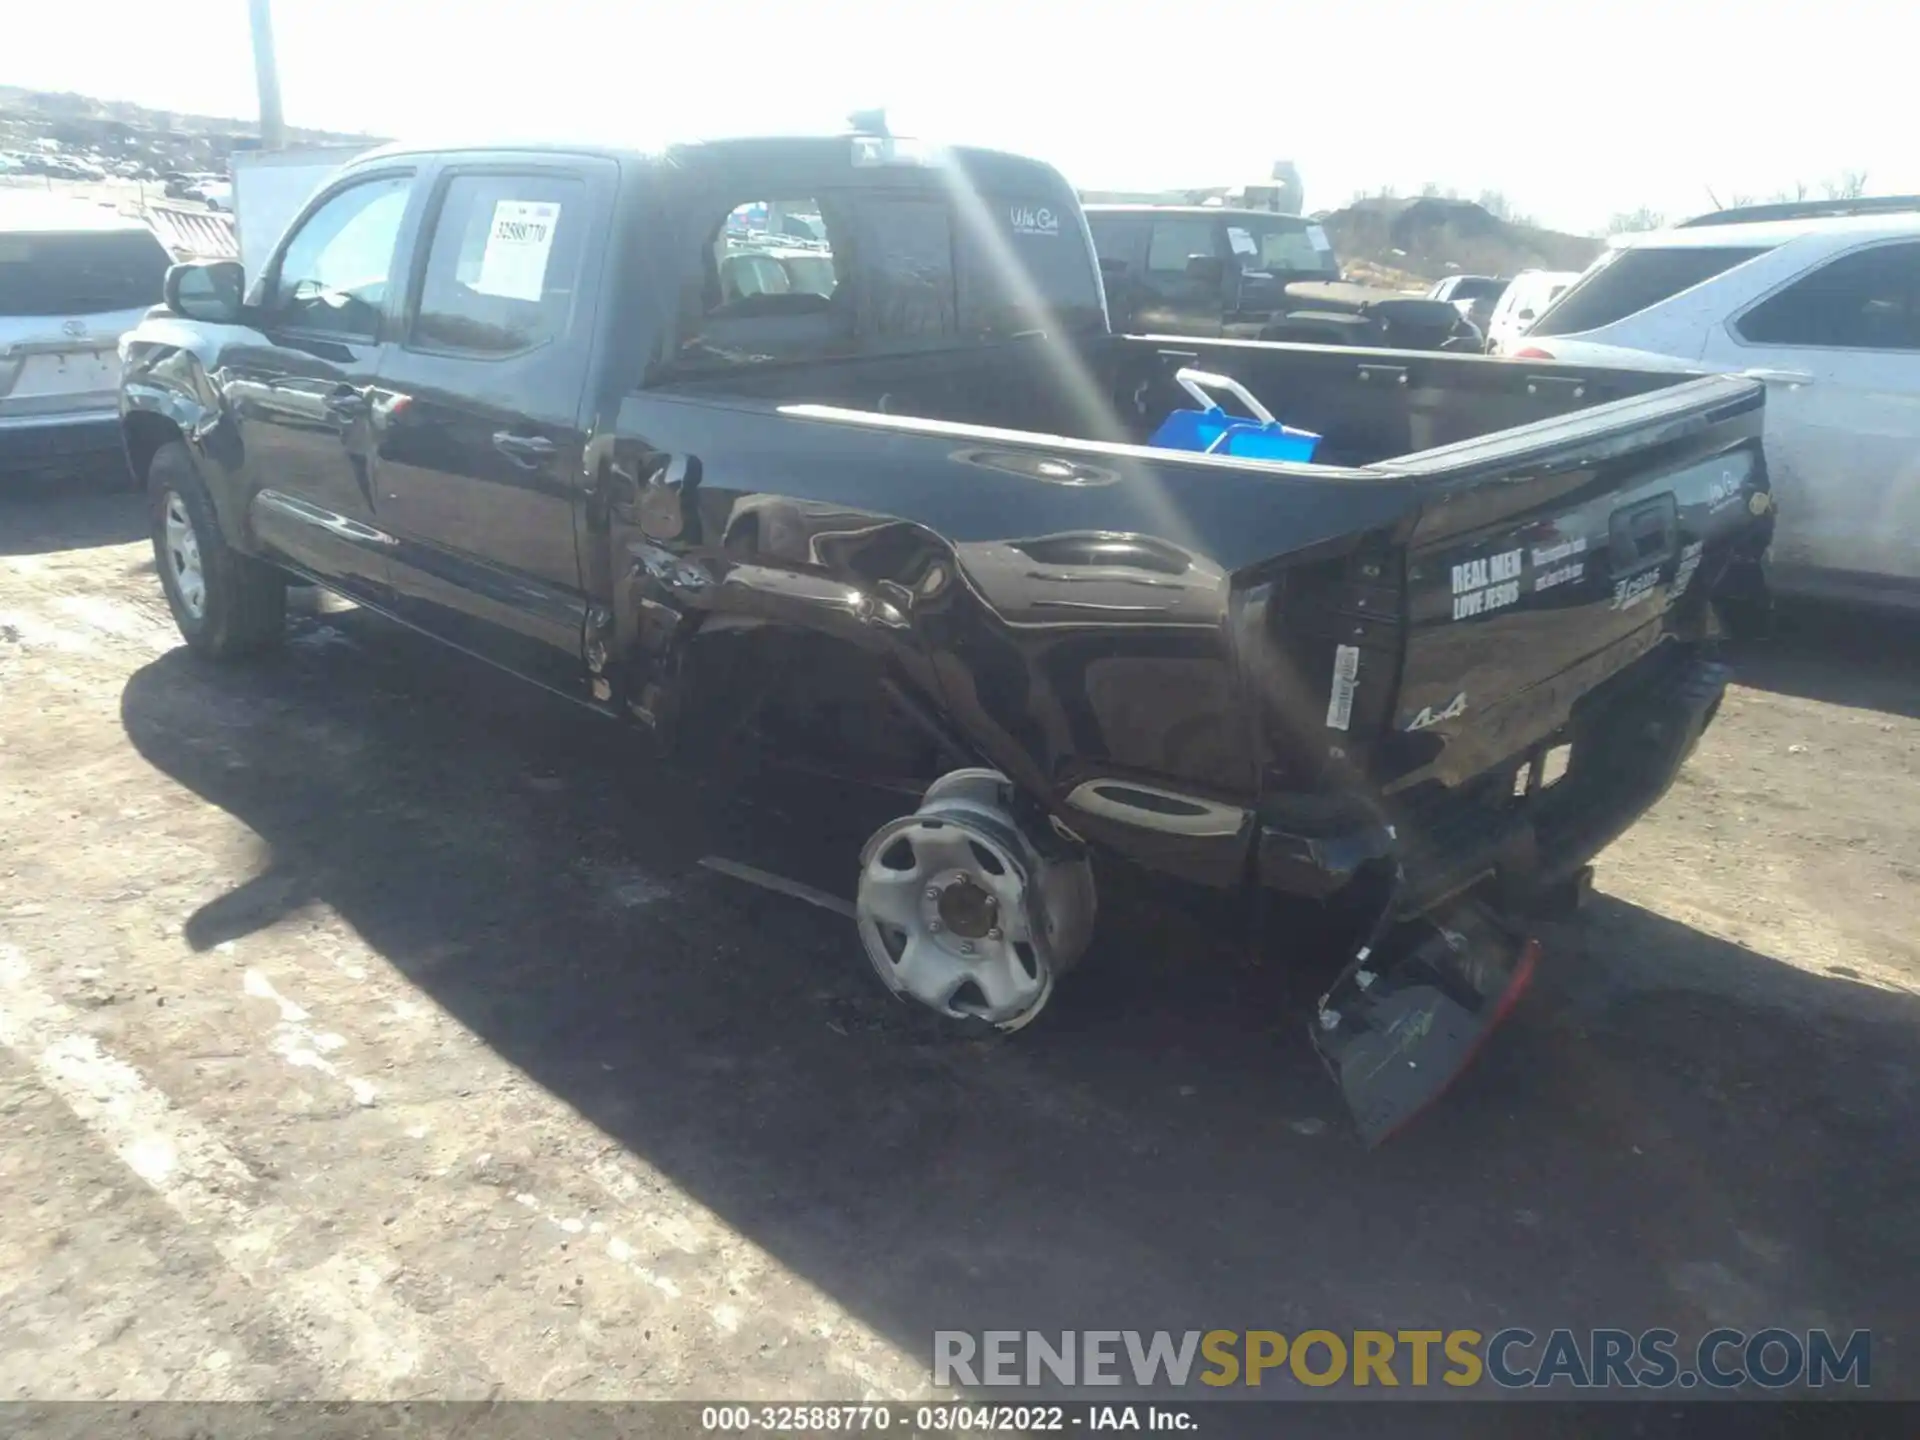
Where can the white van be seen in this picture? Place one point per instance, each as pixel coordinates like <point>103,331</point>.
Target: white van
<point>74,276</point>
<point>1524,301</point>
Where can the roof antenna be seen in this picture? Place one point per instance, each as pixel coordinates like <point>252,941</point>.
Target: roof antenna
<point>869,122</point>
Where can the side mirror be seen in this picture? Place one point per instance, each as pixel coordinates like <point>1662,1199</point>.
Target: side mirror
<point>1206,269</point>
<point>213,292</point>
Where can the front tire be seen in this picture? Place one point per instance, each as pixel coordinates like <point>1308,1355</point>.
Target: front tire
<point>227,605</point>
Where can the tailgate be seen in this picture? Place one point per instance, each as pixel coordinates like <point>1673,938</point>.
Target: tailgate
<point>56,365</point>
<point>56,378</point>
<point>1552,557</point>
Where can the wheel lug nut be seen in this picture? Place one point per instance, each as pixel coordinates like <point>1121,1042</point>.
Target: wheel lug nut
<point>933,892</point>
<point>966,947</point>
<point>933,924</point>
<point>994,934</point>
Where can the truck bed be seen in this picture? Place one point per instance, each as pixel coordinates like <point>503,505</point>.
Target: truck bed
<point>1370,406</point>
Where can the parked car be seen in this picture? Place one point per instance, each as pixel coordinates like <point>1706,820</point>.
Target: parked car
<point>181,185</point>
<point>930,530</point>
<point>1822,303</point>
<point>1521,305</point>
<point>1474,296</point>
<point>74,277</point>
<point>1254,275</point>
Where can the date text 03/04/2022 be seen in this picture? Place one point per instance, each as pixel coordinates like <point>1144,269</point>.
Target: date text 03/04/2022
<point>941,1419</point>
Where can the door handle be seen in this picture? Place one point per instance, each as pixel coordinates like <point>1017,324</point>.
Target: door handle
<point>1779,377</point>
<point>346,404</point>
<point>526,451</point>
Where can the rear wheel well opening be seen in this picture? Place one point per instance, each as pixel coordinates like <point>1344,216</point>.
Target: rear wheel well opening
<point>815,700</point>
<point>144,434</point>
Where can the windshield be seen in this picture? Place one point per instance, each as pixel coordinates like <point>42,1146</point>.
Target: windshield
<point>1282,245</point>
<point>82,273</point>
<point>1625,282</point>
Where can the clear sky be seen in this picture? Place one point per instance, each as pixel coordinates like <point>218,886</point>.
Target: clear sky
<point>1574,111</point>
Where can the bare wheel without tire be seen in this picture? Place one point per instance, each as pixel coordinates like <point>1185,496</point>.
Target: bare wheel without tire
<point>959,910</point>
<point>227,605</point>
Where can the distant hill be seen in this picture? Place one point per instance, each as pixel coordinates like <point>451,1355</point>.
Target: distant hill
<point>82,115</point>
<point>1430,238</point>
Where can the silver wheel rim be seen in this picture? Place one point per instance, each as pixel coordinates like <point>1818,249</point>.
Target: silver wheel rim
<point>989,966</point>
<point>183,557</point>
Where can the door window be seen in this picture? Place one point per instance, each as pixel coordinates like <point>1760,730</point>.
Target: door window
<point>504,264</point>
<point>1630,280</point>
<point>1118,240</point>
<point>1282,245</point>
<point>1176,240</point>
<point>333,274</point>
<point>1869,300</point>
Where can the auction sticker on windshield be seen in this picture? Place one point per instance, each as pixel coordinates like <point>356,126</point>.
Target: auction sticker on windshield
<point>1317,238</point>
<point>514,265</point>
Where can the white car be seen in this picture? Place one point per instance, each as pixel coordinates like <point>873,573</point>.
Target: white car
<point>1524,300</point>
<point>1823,307</point>
<point>73,278</point>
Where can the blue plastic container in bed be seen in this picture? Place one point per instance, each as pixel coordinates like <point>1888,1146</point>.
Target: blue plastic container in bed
<point>1268,442</point>
<point>1214,432</point>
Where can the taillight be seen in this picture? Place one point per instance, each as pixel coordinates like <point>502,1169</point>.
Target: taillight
<point>1533,352</point>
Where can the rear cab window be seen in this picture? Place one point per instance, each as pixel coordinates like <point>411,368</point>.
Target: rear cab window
<point>1636,278</point>
<point>80,272</point>
<point>921,262</point>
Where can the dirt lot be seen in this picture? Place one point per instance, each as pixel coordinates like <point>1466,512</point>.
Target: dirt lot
<point>368,1028</point>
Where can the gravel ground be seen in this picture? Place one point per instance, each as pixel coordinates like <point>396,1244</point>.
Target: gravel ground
<point>369,1029</point>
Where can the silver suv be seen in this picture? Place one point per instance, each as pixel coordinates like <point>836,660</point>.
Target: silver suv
<point>73,277</point>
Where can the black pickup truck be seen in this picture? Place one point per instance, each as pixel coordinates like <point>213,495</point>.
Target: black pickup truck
<point>896,513</point>
<point>1253,275</point>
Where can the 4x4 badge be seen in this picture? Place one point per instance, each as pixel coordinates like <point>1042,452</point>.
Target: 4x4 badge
<point>1455,708</point>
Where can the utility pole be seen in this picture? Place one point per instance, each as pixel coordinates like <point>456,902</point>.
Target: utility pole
<point>266,70</point>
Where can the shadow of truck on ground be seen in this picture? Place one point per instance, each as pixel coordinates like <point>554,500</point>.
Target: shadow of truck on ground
<point>44,513</point>
<point>1672,1130</point>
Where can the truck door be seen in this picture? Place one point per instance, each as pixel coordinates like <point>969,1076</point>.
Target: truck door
<point>479,410</point>
<point>1185,277</point>
<point>300,395</point>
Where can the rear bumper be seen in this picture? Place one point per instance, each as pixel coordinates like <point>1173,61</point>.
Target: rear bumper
<point>40,442</point>
<point>1627,742</point>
